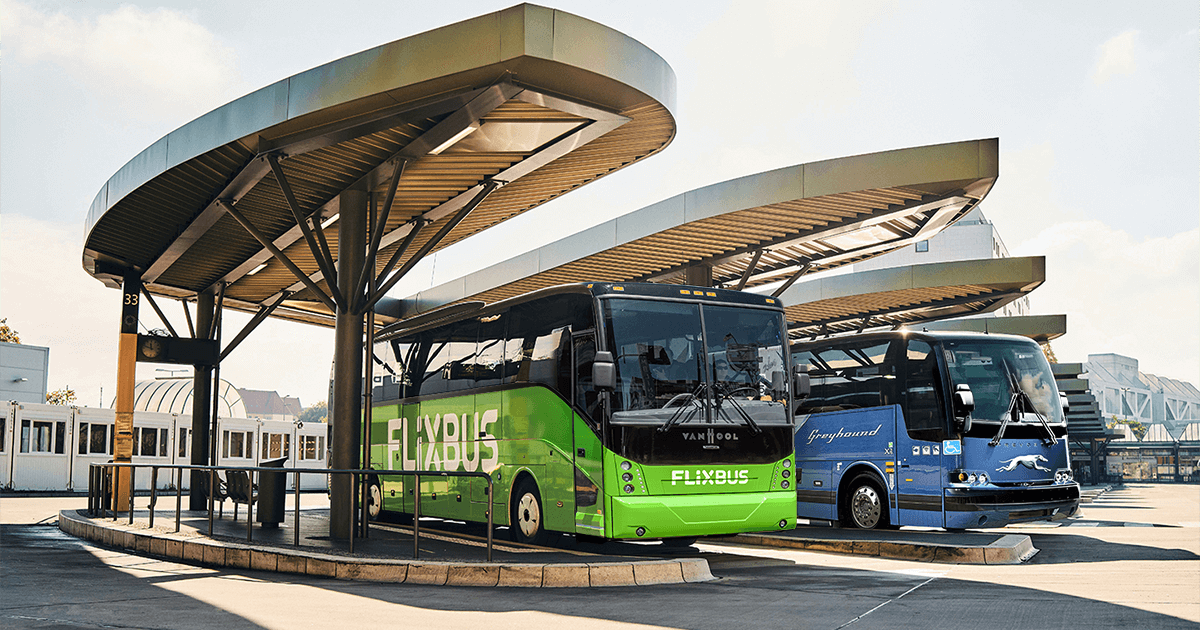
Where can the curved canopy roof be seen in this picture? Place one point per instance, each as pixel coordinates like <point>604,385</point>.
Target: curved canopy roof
<point>534,100</point>
<point>1040,328</point>
<point>908,295</point>
<point>756,230</point>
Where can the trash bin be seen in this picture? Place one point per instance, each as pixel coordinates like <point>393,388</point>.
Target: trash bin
<point>272,490</point>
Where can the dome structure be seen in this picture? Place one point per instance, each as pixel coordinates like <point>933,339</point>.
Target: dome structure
<point>174,395</point>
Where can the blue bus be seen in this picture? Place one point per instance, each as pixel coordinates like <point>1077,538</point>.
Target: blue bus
<point>951,430</point>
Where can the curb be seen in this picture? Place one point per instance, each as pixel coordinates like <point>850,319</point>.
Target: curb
<point>195,548</point>
<point>1009,549</point>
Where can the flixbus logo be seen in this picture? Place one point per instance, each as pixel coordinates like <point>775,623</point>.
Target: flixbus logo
<point>706,477</point>
<point>447,442</point>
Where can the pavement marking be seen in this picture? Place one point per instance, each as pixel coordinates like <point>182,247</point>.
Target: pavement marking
<point>1189,523</point>
<point>1091,524</point>
<point>887,602</point>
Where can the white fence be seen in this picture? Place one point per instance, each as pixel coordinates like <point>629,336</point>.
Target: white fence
<point>49,447</point>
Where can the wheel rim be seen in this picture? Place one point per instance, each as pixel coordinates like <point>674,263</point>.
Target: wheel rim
<point>529,517</point>
<point>374,500</point>
<point>865,507</point>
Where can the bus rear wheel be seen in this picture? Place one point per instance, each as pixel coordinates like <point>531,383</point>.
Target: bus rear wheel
<point>374,499</point>
<point>526,524</point>
<point>864,504</point>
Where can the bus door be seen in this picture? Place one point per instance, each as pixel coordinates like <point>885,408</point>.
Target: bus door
<point>920,427</point>
<point>588,455</point>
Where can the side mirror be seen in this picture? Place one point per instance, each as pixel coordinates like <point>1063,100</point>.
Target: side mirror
<point>604,371</point>
<point>1066,405</point>
<point>801,385</point>
<point>964,404</point>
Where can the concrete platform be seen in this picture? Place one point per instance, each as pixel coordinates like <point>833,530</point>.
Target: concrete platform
<point>446,558</point>
<point>1000,547</point>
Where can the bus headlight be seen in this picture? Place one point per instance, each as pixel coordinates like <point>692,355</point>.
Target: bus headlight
<point>786,473</point>
<point>626,477</point>
<point>787,463</point>
<point>784,484</point>
<point>971,478</point>
<point>628,488</point>
<point>625,465</point>
<point>983,478</point>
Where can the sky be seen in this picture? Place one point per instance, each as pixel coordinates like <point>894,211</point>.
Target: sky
<point>1095,104</point>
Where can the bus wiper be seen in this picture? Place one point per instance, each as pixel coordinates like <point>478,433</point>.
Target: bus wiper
<point>678,417</point>
<point>1016,405</point>
<point>741,412</point>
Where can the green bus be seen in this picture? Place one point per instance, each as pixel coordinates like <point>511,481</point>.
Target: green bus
<point>607,411</point>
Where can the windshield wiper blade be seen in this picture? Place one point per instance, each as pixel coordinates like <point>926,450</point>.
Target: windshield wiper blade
<point>1012,404</point>
<point>678,417</point>
<point>742,412</point>
<point>1020,400</point>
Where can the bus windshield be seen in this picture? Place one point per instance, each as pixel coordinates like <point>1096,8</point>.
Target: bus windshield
<point>995,369</point>
<point>682,363</point>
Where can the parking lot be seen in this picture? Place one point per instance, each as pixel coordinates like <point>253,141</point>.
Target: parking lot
<point>1132,560</point>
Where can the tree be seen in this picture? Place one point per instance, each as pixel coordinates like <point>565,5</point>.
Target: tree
<point>1139,430</point>
<point>8,334</point>
<point>318,412</point>
<point>1049,352</point>
<point>65,396</point>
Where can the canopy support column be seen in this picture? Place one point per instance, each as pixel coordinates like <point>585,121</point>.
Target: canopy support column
<point>131,288</point>
<point>201,393</point>
<point>346,412</point>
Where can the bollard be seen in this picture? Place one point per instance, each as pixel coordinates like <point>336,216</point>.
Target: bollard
<point>178,496</point>
<point>153,492</point>
<point>296,515</point>
<point>132,479</point>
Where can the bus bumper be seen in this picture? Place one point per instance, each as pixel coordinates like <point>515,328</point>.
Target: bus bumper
<point>997,507</point>
<point>702,514</point>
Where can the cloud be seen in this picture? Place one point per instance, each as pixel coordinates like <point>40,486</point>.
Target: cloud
<point>1139,298</point>
<point>1116,57</point>
<point>158,62</point>
<point>51,301</point>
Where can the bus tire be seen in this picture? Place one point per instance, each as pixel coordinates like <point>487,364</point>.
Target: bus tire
<point>374,498</point>
<point>679,542</point>
<point>865,504</point>
<point>526,524</point>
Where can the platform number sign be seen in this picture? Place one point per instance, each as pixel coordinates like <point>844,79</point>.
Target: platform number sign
<point>131,293</point>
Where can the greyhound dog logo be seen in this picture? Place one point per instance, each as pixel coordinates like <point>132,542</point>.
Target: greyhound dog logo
<point>1028,461</point>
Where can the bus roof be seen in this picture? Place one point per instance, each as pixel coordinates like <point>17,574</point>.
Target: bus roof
<point>927,335</point>
<point>595,290</point>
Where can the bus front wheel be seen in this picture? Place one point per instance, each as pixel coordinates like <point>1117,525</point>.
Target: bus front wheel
<point>864,504</point>
<point>526,518</point>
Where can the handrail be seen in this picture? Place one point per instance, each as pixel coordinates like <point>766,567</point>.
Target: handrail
<point>101,497</point>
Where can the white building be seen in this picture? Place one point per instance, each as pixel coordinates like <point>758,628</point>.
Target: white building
<point>971,238</point>
<point>1170,409</point>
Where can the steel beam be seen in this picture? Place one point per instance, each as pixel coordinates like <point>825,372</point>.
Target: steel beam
<point>323,263</point>
<point>783,242</point>
<point>161,316</point>
<point>280,256</point>
<point>792,280</point>
<point>259,317</point>
<point>485,189</point>
<point>750,269</point>
<point>361,287</point>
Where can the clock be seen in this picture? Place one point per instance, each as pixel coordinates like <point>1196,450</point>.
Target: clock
<point>152,348</point>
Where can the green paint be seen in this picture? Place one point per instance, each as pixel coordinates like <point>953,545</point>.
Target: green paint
<point>531,431</point>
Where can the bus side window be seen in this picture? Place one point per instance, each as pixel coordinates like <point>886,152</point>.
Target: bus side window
<point>924,412</point>
<point>489,359</point>
<point>587,398</point>
<point>849,376</point>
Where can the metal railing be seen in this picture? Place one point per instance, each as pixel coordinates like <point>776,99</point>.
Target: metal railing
<point>101,495</point>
